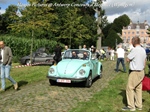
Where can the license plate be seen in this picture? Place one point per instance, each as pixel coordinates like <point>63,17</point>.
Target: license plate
<point>63,80</point>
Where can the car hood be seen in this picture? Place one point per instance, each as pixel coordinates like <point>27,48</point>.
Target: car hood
<point>69,67</point>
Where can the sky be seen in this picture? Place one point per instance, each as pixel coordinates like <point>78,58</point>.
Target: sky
<point>137,10</point>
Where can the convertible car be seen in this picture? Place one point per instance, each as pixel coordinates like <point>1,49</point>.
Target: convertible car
<point>76,66</point>
<point>40,56</point>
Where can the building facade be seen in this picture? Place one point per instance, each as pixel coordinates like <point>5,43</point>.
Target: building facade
<point>135,29</point>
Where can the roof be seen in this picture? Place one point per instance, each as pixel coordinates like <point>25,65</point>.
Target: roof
<point>134,25</point>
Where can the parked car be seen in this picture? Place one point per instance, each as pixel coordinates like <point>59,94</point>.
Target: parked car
<point>40,56</point>
<point>75,67</point>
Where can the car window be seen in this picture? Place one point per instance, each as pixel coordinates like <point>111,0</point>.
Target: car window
<point>41,54</point>
<point>44,55</point>
<point>76,54</point>
<point>67,55</point>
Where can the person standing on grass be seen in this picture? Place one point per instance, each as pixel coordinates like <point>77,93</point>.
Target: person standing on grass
<point>112,54</point>
<point>6,61</point>
<point>137,62</point>
<point>120,53</point>
<point>57,56</point>
<point>102,54</point>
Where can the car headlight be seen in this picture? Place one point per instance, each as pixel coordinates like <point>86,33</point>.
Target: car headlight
<point>51,70</point>
<point>82,72</point>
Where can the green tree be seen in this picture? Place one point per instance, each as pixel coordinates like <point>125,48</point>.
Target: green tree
<point>148,31</point>
<point>36,19</point>
<point>112,38</point>
<point>106,29</point>
<point>114,28</point>
<point>51,23</point>
<point>72,29</point>
<point>89,20</point>
<point>120,22</point>
<point>6,19</point>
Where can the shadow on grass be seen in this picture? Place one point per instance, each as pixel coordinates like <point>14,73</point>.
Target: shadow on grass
<point>148,92</point>
<point>7,88</point>
<point>124,100</point>
<point>20,83</point>
<point>120,70</point>
<point>123,94</point>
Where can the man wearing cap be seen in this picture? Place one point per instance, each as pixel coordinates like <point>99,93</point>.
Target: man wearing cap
<point>6,60</point>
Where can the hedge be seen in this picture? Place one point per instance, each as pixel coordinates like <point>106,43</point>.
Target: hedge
<point>22,46</point>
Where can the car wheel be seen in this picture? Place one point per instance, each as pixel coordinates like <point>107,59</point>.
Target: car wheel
<point>28,62</point>
<point>101,70</point>
<point>52,82</point>
<point>88,82</point>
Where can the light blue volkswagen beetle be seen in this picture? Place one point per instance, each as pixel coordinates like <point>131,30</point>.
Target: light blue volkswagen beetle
<point>77,65</point>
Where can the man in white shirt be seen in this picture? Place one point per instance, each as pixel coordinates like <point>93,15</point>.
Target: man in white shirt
<point>137,62</point>
<point>120,58</point>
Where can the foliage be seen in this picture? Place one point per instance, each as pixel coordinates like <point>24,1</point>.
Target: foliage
<point>106,29</point>
<point>72,29</point>
<point>111,39</point>
<point>34,19</point>
<point>148,31</point>
<point>6,19</point>
<point>119,22</point>
<point>114,29</point>
<point>21,46</point>
<point>59,23</point>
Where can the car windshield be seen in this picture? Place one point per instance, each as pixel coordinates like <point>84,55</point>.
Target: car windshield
<point>77,54</point>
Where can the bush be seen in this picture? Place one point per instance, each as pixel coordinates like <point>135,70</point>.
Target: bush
<point>22,46</point>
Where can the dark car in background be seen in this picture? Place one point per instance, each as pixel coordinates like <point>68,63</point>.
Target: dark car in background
<point>40,57</point>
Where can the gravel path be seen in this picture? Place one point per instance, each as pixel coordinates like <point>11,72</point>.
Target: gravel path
<point>41,97</point>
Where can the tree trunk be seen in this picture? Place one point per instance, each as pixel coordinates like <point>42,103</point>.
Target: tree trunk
<point>99,31</point>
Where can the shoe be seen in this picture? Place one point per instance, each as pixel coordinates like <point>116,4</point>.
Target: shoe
<point>16,86</point>
<point>128,109</point>
<point>2,90</point>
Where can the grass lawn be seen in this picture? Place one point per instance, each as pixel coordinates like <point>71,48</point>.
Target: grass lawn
<point>27,75</point>
<point>112,98</point>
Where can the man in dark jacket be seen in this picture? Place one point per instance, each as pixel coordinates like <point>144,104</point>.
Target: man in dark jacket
<point>57,56</point>
<point>6,60</point>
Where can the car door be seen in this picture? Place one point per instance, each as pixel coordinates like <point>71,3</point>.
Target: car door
<point>94,62</point>
<point>40,57</point>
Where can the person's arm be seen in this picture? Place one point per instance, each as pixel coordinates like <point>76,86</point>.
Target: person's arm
<point>131,56</point>
<point>10,56</point>
<point>128,60</point>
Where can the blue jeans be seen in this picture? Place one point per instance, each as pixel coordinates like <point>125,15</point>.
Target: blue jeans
<point>122,62</point>
<point>5,73</point>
